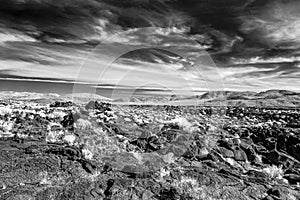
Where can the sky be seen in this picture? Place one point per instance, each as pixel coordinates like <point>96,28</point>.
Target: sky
<point>184,45</point>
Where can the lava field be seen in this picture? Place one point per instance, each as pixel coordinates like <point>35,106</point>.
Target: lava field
<point>98,150</point>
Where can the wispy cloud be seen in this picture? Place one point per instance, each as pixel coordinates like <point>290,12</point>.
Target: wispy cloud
<point>261,60</point>
<point>255,44</point>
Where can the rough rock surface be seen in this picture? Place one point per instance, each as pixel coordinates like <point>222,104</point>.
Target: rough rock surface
<point>60,150</point>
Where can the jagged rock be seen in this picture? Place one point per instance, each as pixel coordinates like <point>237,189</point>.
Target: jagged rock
<point>272,157</point>
<point>260,149</point>
<point>196,152</point>
<point>276,157</point>
<point>61,104</point>
<point>147,144</point>
<point>225,152</point>
<point>169,193</point>
<point>68,121</point>
<point>270,143</point>
<point>250,152</point>
<point>169,132</point>
<point>239,155</point>
<point>98,106</point>
<point>257,176</point>
<point>274,192</point>
<point>226,144</point>
<point>148,159</point>
<point>292,178</point>
<point>294,150</point>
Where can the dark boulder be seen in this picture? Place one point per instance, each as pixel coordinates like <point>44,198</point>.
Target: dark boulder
<point>275,193</point>
<point>295,151</point>
<point>61,104</point>
<point>250,152</point>
<point>68,121</point>
<point>102,106</point>
<point>226,144</point>
<point>272,157</point>
<point>170,193</point>
<point>270,143</point>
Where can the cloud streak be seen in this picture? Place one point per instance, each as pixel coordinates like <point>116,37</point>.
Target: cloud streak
<point>248,40</point>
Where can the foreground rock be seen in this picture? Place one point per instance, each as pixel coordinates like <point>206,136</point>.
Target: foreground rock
<point>101,151</point>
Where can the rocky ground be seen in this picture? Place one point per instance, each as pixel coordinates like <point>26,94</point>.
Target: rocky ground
<point>62,150</point>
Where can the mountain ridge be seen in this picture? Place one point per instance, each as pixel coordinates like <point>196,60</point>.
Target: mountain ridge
<point>268,98</point>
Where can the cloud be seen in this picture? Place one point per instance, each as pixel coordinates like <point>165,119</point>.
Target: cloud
<point>249,40</point>
<point>47,20</point>
<point>8,37</point>
<point>43,54</point>
<point>80,21</point>
<point>261,60</point>
<point>274,23</point>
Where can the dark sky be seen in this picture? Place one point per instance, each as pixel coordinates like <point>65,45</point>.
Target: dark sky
<point>250,44</point>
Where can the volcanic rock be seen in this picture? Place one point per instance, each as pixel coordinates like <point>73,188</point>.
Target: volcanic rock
<point>225,152</point>
<point>239,155</point>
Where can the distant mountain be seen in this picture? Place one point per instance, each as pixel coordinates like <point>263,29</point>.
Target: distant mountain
<point>45,97</point>
<point>231,95</point>
<point>271,94</point>
<point>218,95</point>
<point>86,95</point>
<point>269,98</point>
<point>7,95</point>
